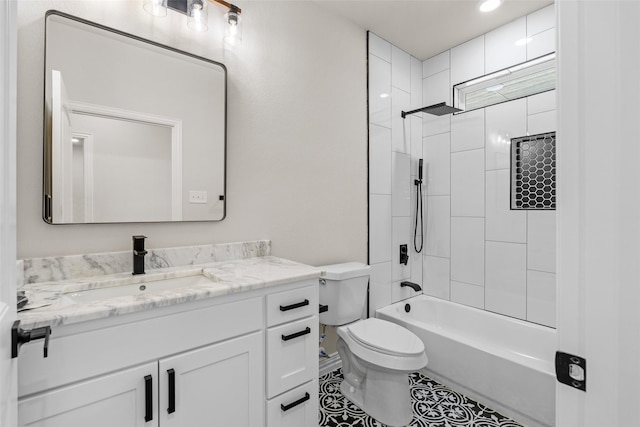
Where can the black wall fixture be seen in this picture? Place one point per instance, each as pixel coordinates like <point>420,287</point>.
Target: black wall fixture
<point>440,109</point>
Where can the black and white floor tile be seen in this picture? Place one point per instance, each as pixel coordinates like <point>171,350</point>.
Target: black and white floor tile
<point>434,405</point>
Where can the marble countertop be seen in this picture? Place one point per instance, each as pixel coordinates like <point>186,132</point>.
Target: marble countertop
<point>51,303</point>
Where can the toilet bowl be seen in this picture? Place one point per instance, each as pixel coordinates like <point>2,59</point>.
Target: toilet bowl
<point>377,356</point>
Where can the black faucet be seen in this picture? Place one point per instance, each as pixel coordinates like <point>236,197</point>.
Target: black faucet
<point>138,254</point>
<point>412,285</point>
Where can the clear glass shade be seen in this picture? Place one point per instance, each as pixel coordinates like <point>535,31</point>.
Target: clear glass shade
<point>155,7</point>
<point>197,15</point>
<point>233,30</point>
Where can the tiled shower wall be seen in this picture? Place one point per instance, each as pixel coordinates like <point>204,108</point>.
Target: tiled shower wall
<point>477,251</point>
<point>395,144</point>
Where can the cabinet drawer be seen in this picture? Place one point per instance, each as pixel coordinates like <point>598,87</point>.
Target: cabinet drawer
<point>292,355</point>
<point>295,408</point>
<point>292,305</point>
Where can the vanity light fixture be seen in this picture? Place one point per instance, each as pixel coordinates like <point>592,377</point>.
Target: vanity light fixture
<point>196,11</point>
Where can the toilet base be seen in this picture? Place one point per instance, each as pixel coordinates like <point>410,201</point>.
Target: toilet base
<point>383,396</point>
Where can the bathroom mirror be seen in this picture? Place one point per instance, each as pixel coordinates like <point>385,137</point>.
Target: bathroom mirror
<point>134,131</point>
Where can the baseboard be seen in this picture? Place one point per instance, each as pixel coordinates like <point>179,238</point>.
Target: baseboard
<point>330,364</point>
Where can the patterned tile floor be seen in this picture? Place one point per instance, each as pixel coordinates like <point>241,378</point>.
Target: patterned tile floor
<point>434,405</point>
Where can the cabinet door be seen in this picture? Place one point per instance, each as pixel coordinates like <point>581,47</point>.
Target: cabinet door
<point>121,399</point>
<point>219,385</point>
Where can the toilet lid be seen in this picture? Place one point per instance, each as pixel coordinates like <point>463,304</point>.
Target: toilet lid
<point>386,337</point>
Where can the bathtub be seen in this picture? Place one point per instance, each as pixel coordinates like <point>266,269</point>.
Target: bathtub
<point>503,362</point>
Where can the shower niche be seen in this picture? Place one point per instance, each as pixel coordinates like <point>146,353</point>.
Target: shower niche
<point>533,172</point>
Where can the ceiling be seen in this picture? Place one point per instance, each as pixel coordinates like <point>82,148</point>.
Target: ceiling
<point>425,28</point>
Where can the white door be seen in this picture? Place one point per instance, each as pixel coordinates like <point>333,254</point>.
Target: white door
<point>8,366</point>
<point>599,209</point>
<point>126,398</point>
<point>218,385</point>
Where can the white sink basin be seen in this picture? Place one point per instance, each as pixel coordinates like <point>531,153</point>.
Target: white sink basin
<point>136,289</point>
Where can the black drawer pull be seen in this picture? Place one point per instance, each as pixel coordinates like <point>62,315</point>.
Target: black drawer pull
<point>306,331</point>
<point>296,403</point>
<point>172,391</point>
<point>296,305</point>
<point>148,398</point>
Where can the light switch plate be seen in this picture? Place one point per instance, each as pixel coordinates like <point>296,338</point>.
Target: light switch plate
<point>197,197</point>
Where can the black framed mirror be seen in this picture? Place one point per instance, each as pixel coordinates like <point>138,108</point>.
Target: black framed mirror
<point>134,131</point>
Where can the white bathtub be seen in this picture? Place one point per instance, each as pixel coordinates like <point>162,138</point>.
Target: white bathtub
<point>502,362</point>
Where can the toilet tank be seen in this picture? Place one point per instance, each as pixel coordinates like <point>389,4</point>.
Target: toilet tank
<point>343,288</point>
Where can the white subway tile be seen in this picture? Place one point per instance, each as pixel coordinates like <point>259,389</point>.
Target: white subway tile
<point>379,286</point>
<point>541,20</point>
<point>437,165</point>
<point>436,276</point>
<point>436,89</point>
<point>467,183</point>
<point>416,258</point>
<point>501,49</point>
<point>467,250</point>
<point>400,128</point>
<point>467,130</point>
<point>402,235</point>
<point>401,188</point>
<point>416,143</point>
<point>541,298</point>
<point>435,64</point>
<point>545,101</point>
<point>399,293</point>
<point>380,228</point>
<point>541,44</point>
<point>506,279</point>
<point>541,123</point>
<point>503,122</point>
<point>467,294</point>
<point>503,224</point>
<point>400,69</point>
<point>541,241</point>
<point>379,47</point>
<point>435,125</point>
<point>379,160</point>
<point>379,91</point>
<point>437,227</point>
<point>467,61</point>
<point>416,83</point>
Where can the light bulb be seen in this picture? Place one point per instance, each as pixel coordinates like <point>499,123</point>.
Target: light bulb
<point>197,15</point>
<point>489,5</point>
<point>233,31</point>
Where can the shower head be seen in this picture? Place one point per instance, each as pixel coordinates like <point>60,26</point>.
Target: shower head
<point>440,109</point>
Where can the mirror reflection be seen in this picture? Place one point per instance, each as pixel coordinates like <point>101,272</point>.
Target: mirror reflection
<point>134,132</point>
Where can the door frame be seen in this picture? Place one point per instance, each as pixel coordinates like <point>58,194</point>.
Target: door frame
<point>8,208</point>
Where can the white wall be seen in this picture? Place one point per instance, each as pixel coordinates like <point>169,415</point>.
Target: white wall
<point>297,132</point>
<point>477,252</point>
<point>395,145</point>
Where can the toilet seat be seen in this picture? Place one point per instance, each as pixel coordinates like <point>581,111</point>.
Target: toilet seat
<point>386,337</point>
<point>373,340</point>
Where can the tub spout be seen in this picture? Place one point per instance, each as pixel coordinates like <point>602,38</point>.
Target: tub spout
<point>412,285</point>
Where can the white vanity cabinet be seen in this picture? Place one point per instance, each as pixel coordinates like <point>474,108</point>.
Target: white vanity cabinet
<point>199,363</point>
<point>292,358</point>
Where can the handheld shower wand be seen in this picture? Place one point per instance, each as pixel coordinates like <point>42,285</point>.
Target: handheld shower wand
<point>418,184</point>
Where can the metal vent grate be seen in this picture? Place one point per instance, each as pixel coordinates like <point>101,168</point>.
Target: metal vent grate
<point>533,172</point>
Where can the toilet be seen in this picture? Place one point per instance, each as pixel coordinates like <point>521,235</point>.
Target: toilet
<point>377,356</point>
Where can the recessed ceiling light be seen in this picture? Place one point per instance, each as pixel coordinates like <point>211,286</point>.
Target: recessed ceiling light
<point>489,5</point>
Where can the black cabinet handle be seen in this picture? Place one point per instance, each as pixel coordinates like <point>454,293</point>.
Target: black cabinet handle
<point>306,331</point>
<point>20,336</point>
<point>172,391</point>
<point>293,306</point>
<point>296,403</point>
<point>148,398</point>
